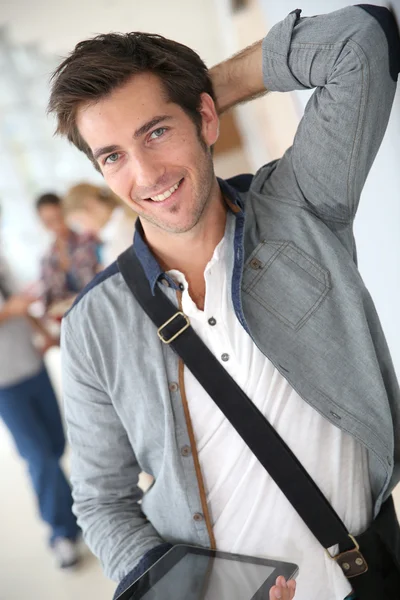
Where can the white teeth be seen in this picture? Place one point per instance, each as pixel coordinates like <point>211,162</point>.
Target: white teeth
<point>166,194</point>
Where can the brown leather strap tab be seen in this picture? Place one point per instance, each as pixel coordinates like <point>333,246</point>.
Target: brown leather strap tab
<point>196,461</point>
<point>352,563</point>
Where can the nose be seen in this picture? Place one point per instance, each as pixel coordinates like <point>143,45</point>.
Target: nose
<point>147,172</point>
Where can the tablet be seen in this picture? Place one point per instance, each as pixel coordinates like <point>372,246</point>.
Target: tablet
<point>192,573</point>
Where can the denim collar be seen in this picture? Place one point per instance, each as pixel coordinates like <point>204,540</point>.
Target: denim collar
<point>152,269</point>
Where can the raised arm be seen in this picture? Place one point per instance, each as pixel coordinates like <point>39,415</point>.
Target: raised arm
<point>104,469</point>
<point>352,58</point>
<point>239,78</point>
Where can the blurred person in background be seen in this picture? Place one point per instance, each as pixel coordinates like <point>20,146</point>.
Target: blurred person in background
<point>72,260</point>
<point>30,411</point>
<point>98,211</point>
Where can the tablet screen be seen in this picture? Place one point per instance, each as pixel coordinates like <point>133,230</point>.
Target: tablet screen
<point>205,578</point>
<point>192,573</point>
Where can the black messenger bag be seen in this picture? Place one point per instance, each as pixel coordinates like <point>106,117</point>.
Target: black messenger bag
<point>371,561</point>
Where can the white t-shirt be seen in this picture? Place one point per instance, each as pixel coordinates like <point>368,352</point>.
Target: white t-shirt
<point>250,514</point>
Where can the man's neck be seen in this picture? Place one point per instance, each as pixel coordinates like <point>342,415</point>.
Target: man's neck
<point>190,252</point>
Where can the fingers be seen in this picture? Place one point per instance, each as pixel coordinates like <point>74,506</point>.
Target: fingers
<point>283,590</point>
<point>292,588</point>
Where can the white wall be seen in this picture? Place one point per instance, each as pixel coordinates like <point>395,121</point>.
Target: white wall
<point>58,26</point>
<point>377,226</point>
<point>269,123</point>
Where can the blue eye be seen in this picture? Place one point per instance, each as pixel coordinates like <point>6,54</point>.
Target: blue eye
<point>158,132</point>
<point>111,158</point>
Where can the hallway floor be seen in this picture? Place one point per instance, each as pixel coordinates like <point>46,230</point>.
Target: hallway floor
<point>27,568</point>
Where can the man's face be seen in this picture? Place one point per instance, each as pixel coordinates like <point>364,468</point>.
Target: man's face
<point>151,154</point>
<point>53,220</point>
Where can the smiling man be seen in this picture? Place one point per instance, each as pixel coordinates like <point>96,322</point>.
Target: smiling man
<point>161,167</point>
<point>265,269</point>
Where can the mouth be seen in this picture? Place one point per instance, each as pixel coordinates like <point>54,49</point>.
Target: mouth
<point>168,194</point>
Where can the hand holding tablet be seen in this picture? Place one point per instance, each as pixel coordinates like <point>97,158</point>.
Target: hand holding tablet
<point>283,590</point>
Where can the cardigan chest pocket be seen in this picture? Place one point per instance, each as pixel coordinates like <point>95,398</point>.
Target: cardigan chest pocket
<point>286,281</point>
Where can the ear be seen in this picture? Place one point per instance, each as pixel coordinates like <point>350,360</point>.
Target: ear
<point>210,120</point>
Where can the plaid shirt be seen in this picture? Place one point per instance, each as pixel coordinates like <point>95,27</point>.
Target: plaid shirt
<point>83,256</point>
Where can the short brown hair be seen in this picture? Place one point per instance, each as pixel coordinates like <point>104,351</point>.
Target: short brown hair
<point>99,65</point>
<point>48,199</point>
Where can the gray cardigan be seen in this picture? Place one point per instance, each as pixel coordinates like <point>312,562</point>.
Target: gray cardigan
<point>302,300</point>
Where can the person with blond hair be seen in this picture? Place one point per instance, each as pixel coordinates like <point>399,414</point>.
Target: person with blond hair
<point>99,211</point>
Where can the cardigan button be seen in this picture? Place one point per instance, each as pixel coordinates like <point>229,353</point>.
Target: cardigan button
<point>198,517</point>
<point>256,264</point>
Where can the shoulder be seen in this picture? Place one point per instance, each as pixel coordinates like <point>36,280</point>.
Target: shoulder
<point>100,320</point>
<point>96,287</point>
<point>241,183</point>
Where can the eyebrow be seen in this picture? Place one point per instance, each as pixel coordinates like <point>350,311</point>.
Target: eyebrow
<point>149,125</point>
<point>138,133</point>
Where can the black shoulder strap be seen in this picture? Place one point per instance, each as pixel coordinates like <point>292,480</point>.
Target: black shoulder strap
<point>272,452</point>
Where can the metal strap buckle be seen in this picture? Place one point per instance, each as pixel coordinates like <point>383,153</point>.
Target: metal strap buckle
<point>352,562</point>
<point>175,335</point>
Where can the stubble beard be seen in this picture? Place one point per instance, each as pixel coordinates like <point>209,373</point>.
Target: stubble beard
<point>201,202</point>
